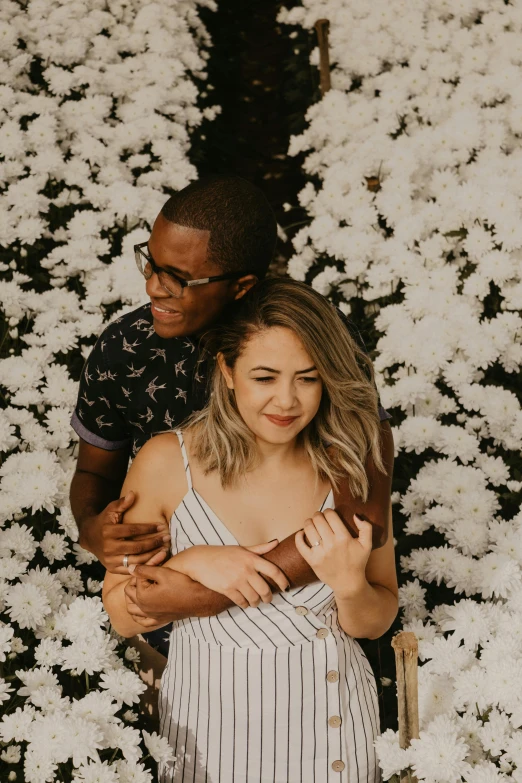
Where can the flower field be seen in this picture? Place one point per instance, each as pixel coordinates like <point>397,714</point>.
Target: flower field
<point>414,199</point>
<point>97,103</point>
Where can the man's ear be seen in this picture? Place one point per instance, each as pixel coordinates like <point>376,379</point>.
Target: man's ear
<point>243,285</point>
<point>225,369</point>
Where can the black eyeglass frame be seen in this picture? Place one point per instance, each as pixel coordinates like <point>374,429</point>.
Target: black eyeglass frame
<point>138,251</point>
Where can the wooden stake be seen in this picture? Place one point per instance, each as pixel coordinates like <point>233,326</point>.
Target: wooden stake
<point>406,655</point>
<point>322,26</point>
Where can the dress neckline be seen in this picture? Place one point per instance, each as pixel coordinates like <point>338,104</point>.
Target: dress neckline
<point>208,509</point>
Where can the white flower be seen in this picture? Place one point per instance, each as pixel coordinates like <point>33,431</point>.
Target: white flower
<point>96,772</point>
<point>5,690</point>
<point>11,755</point>
<point>122,685</point>
<point>27,605</point>
<point>6,635</point>
<point>15,726</point>
<point>158,747</point>
<point>439,752</point>
<point>54,546</point>
<point>81,618</point>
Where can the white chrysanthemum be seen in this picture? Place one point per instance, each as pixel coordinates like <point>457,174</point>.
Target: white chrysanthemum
<point>132,773</point>
<point>6,635</point>
<point>81,618</point>
<point>54,546</point>
<point>5,690</point>
<point>439,753</point>
<point>96,772</point>
<point>27,605</point>
<point>158,747</point>
<point>12,754</point>
<point>89,653</point>
<point>16,725</point>
<point>469,622</point>
<point>122,685</point>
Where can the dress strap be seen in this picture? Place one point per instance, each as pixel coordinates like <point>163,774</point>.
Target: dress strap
<point>185,458</point>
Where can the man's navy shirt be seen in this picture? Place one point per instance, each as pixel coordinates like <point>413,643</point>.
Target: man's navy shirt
<point>135,383</point>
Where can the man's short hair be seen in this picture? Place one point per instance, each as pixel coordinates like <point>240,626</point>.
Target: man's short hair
<point>242,224</point>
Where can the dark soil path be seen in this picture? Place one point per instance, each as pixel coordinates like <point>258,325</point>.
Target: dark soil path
<point>263,83</point>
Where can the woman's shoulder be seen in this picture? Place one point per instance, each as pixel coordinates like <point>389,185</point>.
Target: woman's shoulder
<point>158,456</point>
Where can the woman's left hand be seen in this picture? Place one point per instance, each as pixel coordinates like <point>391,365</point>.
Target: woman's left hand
<point>338,559</point>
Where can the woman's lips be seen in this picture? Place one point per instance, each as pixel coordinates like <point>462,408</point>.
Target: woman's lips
<point>159,315</point>
<point>281,421</point>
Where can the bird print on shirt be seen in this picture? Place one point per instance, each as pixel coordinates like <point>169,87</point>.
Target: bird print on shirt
<point>88,378</point>
<point>148,416</point>
<point>179,368</point>
<point>130,346</point>
<point>169,421</point>
<point>181,393</point>
<point>101,423</point>
<point>140,323</point>
<point>126,392</point>
<point>153,387</point>
<point>88,402</point>
<point>105,400</point>
<point>111,376</point>
<point>189,344</point>
<point>135,373</point>
<point>159,352</point>
<point>102,376</point>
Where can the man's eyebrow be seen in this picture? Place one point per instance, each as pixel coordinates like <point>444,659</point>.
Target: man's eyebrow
<point>180,272</point>
<point>277,372</point>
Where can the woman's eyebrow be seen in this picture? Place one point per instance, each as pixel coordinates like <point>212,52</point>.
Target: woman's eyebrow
<point>270,369</point>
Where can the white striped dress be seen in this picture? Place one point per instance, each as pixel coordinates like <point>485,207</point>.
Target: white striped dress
<point>272,694</point>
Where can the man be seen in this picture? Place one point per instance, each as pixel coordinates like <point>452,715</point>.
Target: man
<point>209,245</point>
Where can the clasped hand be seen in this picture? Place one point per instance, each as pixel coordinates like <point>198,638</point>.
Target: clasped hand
<point>237,572</point>
<point>337,559</point>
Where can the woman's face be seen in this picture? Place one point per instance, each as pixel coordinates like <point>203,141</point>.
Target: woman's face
<point>277,388</point>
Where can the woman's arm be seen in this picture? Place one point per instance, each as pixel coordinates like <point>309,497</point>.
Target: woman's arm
<point>157,479</point>
<point>368,607</point>
<point>364,582</point>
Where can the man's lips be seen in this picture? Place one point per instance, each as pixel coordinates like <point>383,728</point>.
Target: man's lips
<point>281,421</point>
<point>163,313</point>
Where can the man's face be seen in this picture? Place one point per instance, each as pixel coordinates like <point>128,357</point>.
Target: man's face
<point>184,251</point>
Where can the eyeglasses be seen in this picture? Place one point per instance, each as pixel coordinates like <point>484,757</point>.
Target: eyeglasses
<point>168,280</point>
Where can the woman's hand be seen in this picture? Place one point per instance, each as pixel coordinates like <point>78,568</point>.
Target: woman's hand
<point>337,559</point>
<point>233,571</point>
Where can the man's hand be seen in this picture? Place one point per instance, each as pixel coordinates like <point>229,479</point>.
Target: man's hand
<point>138,614</point>
<point>237,572</point>
<point>106,536</point>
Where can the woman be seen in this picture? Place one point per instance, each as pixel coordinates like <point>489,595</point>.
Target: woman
<point>276,689</point>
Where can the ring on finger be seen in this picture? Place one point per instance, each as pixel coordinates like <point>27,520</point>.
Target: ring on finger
<point>125,561</point>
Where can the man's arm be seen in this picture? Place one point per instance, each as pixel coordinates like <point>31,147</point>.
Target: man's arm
<point>162,592</point>
<point>98,509</point>
<point>375,510</point>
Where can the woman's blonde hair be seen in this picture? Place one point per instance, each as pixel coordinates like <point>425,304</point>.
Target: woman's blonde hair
<point>345,429</point>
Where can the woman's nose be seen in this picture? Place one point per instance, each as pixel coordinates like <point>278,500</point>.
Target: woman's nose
<point>285,395</point>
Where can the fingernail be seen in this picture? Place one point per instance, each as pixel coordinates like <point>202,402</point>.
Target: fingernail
<point>287,589</point>
<point>131,568</point>
<point>166,538</point>
<point>272,540</point>
<point>160,528</point>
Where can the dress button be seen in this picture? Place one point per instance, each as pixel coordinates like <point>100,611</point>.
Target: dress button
<point>322,633</point>
<point>302,610</point>
<point>338,766</point>
<point>332,676</point>
<point>334,721</point>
